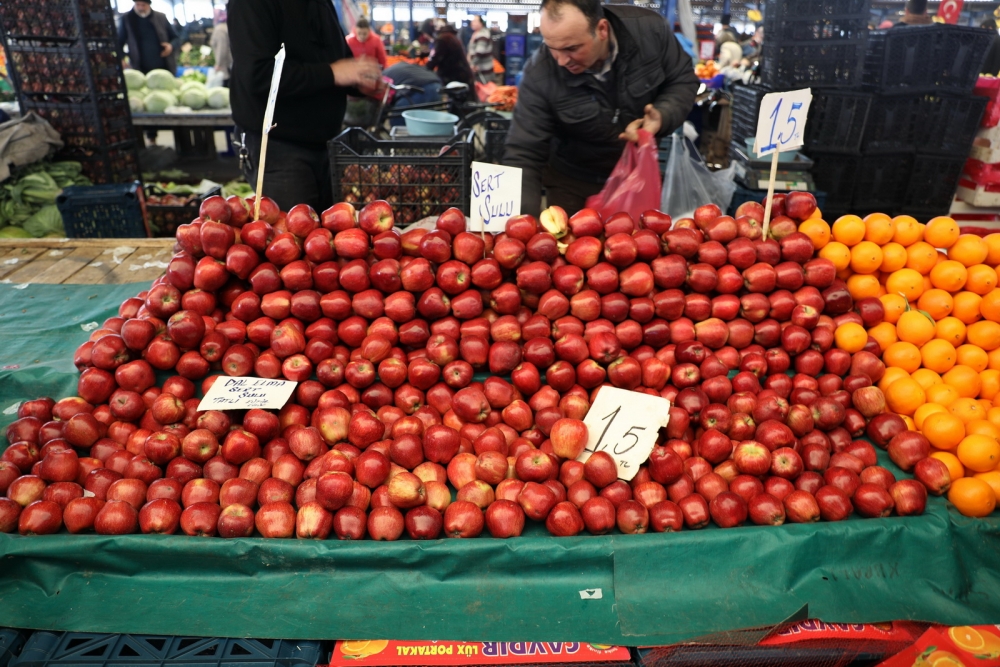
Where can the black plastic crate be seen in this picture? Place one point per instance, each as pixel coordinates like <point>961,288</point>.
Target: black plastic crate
<point>832,63</point>
<point>835,174</point>
<point>11,642</point>
<point>62,69</point>
<point>745,109</point>
<point>103,211</point>
<point>58,20</point>
<point>107,164</point>
<point>775,10</point>
<point>892,125</point>
<point>79,649</point>
<point>89,125</point>
<point>935,59</point>
<point>494,138</point>
<point>837,121</point>
<point>948,125</point>
<point>164,219</point>
<point>419,178</point>
<point>932,184</point>
<point>882,183</point>
<point>850,27</point>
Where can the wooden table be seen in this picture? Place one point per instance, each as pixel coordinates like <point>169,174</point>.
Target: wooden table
<point>83,261</point>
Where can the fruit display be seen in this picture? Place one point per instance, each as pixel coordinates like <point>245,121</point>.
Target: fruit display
<point>391,431</point>
<point>61,71</point>
<point>707,69</point>
<point>929,306</point>
<point>414,191</point>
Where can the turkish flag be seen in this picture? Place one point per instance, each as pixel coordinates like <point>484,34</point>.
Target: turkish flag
<point>949,10</point>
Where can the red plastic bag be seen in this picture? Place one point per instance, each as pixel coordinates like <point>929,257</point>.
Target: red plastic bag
<point>634,185</point>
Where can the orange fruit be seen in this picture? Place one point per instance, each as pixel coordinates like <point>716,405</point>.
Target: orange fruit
<point>921,257</point>
<point>950,329</point>
<point>982,279</point>
<point>862,286</point>
<point>941,394</point>
<point>849,230</point>
<point>908,420</point>
<point>879,228</point>
<point>915,327</point>
<point>943,430</point>
<point>955,468</point>
<point>906,282</point>
<point>938,355</point>
<point>985,334</point>
<point>967,307</point>
<point>894,306</point>
<point>972,356</point>
<point>928,409</point>
<point>978,452</point>
<point>965,380</point>
<point>985,405</point>
<point>893,257</point>
<point>949,275</point>
<point>969,249</point>
<point>891,375</point>
<point>967,409</point>
<point>994,357</point>
<point>851,337</point>
<point>972,497</point>
<point>907,230</point>
<point>902,355</point>
<point>989,384</point>
<point>926,378</point>
<point>884,334</point>
<point>904,396</point>
<point>983,427</point>
<point>817,230</point>
<point>838,253</point>
<point>993,415</point>
<point>937,302</point>
<point>941,232</point>
<point>992,478</point>
<point>989,306</point>
<point>993,243</point>
<point>866,257</point>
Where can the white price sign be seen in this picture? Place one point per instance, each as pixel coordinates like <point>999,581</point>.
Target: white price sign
<point>625,424</point>
<point>245,393</point>
<point>496,196</point>
<point>781,122</point>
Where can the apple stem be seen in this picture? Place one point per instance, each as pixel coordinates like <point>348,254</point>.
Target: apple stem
<point>770,191</point>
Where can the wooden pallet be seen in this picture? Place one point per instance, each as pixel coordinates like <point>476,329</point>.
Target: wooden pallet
<point>83,261</point>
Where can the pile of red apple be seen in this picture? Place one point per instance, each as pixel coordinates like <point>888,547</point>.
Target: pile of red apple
<point>384,332</point>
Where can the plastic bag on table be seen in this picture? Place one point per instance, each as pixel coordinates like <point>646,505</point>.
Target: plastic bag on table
<point>634,184</point>
<point>688,183</point>
<point>215,79</point>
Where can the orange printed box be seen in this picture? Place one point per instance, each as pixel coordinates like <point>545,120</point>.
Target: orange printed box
<point>391,653</point>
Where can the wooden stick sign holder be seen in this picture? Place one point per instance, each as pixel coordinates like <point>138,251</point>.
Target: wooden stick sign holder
<point>781,126</point>
<point>272,98</point>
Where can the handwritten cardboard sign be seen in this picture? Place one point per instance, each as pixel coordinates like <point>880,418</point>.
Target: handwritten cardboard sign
<point>781,123</point>
<point>625,424</point>
<point>496,196</point>
<point>244,393</point>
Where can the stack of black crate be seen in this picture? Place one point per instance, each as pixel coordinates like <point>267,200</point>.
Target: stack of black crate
<point>65,63</point>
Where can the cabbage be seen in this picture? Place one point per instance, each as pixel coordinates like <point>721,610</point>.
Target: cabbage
<point>194,97</point>
<point>188,85</point>
<point>218,98</point>
<point>158,101</point>
<point>14,232</point>
<point>161,79</point>
<point>46,221</point>
<point>135,102</point>
<point>134,79</point>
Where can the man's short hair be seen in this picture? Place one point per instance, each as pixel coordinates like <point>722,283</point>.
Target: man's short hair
<point>989,24</point>
<point>916,7</point>
<point>591,9</point>
<point>363,23</point>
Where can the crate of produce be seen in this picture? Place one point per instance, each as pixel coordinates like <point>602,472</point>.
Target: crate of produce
<point>813,63</point>
<point>65,69</point>
<point>166,209</point>
<point>79,649</point>
<point>892,125</point>
<point>882,182</point>
<point>103,211</point>
<point>114,164</point>
<point>89,125</point>
<point>419,178</point>
<point>58,20</point>
<point>933,180</point>
<point>837,121</point>
<point>11,642</point>
<point>933,59</point>
<point>983,173</point>
<point>950,124</point>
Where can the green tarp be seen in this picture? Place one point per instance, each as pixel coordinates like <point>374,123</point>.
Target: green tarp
<point>632,589</point>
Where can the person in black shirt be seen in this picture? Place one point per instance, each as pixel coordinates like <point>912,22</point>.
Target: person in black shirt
<point>448,58</point>
<point>148,35</point>
<point>312,96</point>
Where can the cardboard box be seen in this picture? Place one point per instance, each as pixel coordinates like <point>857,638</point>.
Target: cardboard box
<point>391,653</point>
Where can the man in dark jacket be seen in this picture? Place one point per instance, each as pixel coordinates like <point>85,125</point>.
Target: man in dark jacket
<point>148,35</point>
<point>605,72</point>
<point>312,95</point>
<point>448,58</point>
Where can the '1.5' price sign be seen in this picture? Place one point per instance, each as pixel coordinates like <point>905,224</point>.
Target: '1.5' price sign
<point>625,424</point>
<point>781,123</point>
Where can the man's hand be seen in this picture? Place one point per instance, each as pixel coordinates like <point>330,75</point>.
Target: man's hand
<point>650,122</point>
<point>168,48</point>
<point>356,72</point>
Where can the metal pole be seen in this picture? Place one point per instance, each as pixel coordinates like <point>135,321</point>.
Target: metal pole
<point>413,30</point>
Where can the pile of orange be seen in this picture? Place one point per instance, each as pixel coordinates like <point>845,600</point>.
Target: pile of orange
<point>940,339</point>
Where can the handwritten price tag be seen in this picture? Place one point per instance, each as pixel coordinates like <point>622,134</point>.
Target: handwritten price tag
<point>781,123</point>
<point>496,196</point>
<point>625,424</point>
<point>244,393</point>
